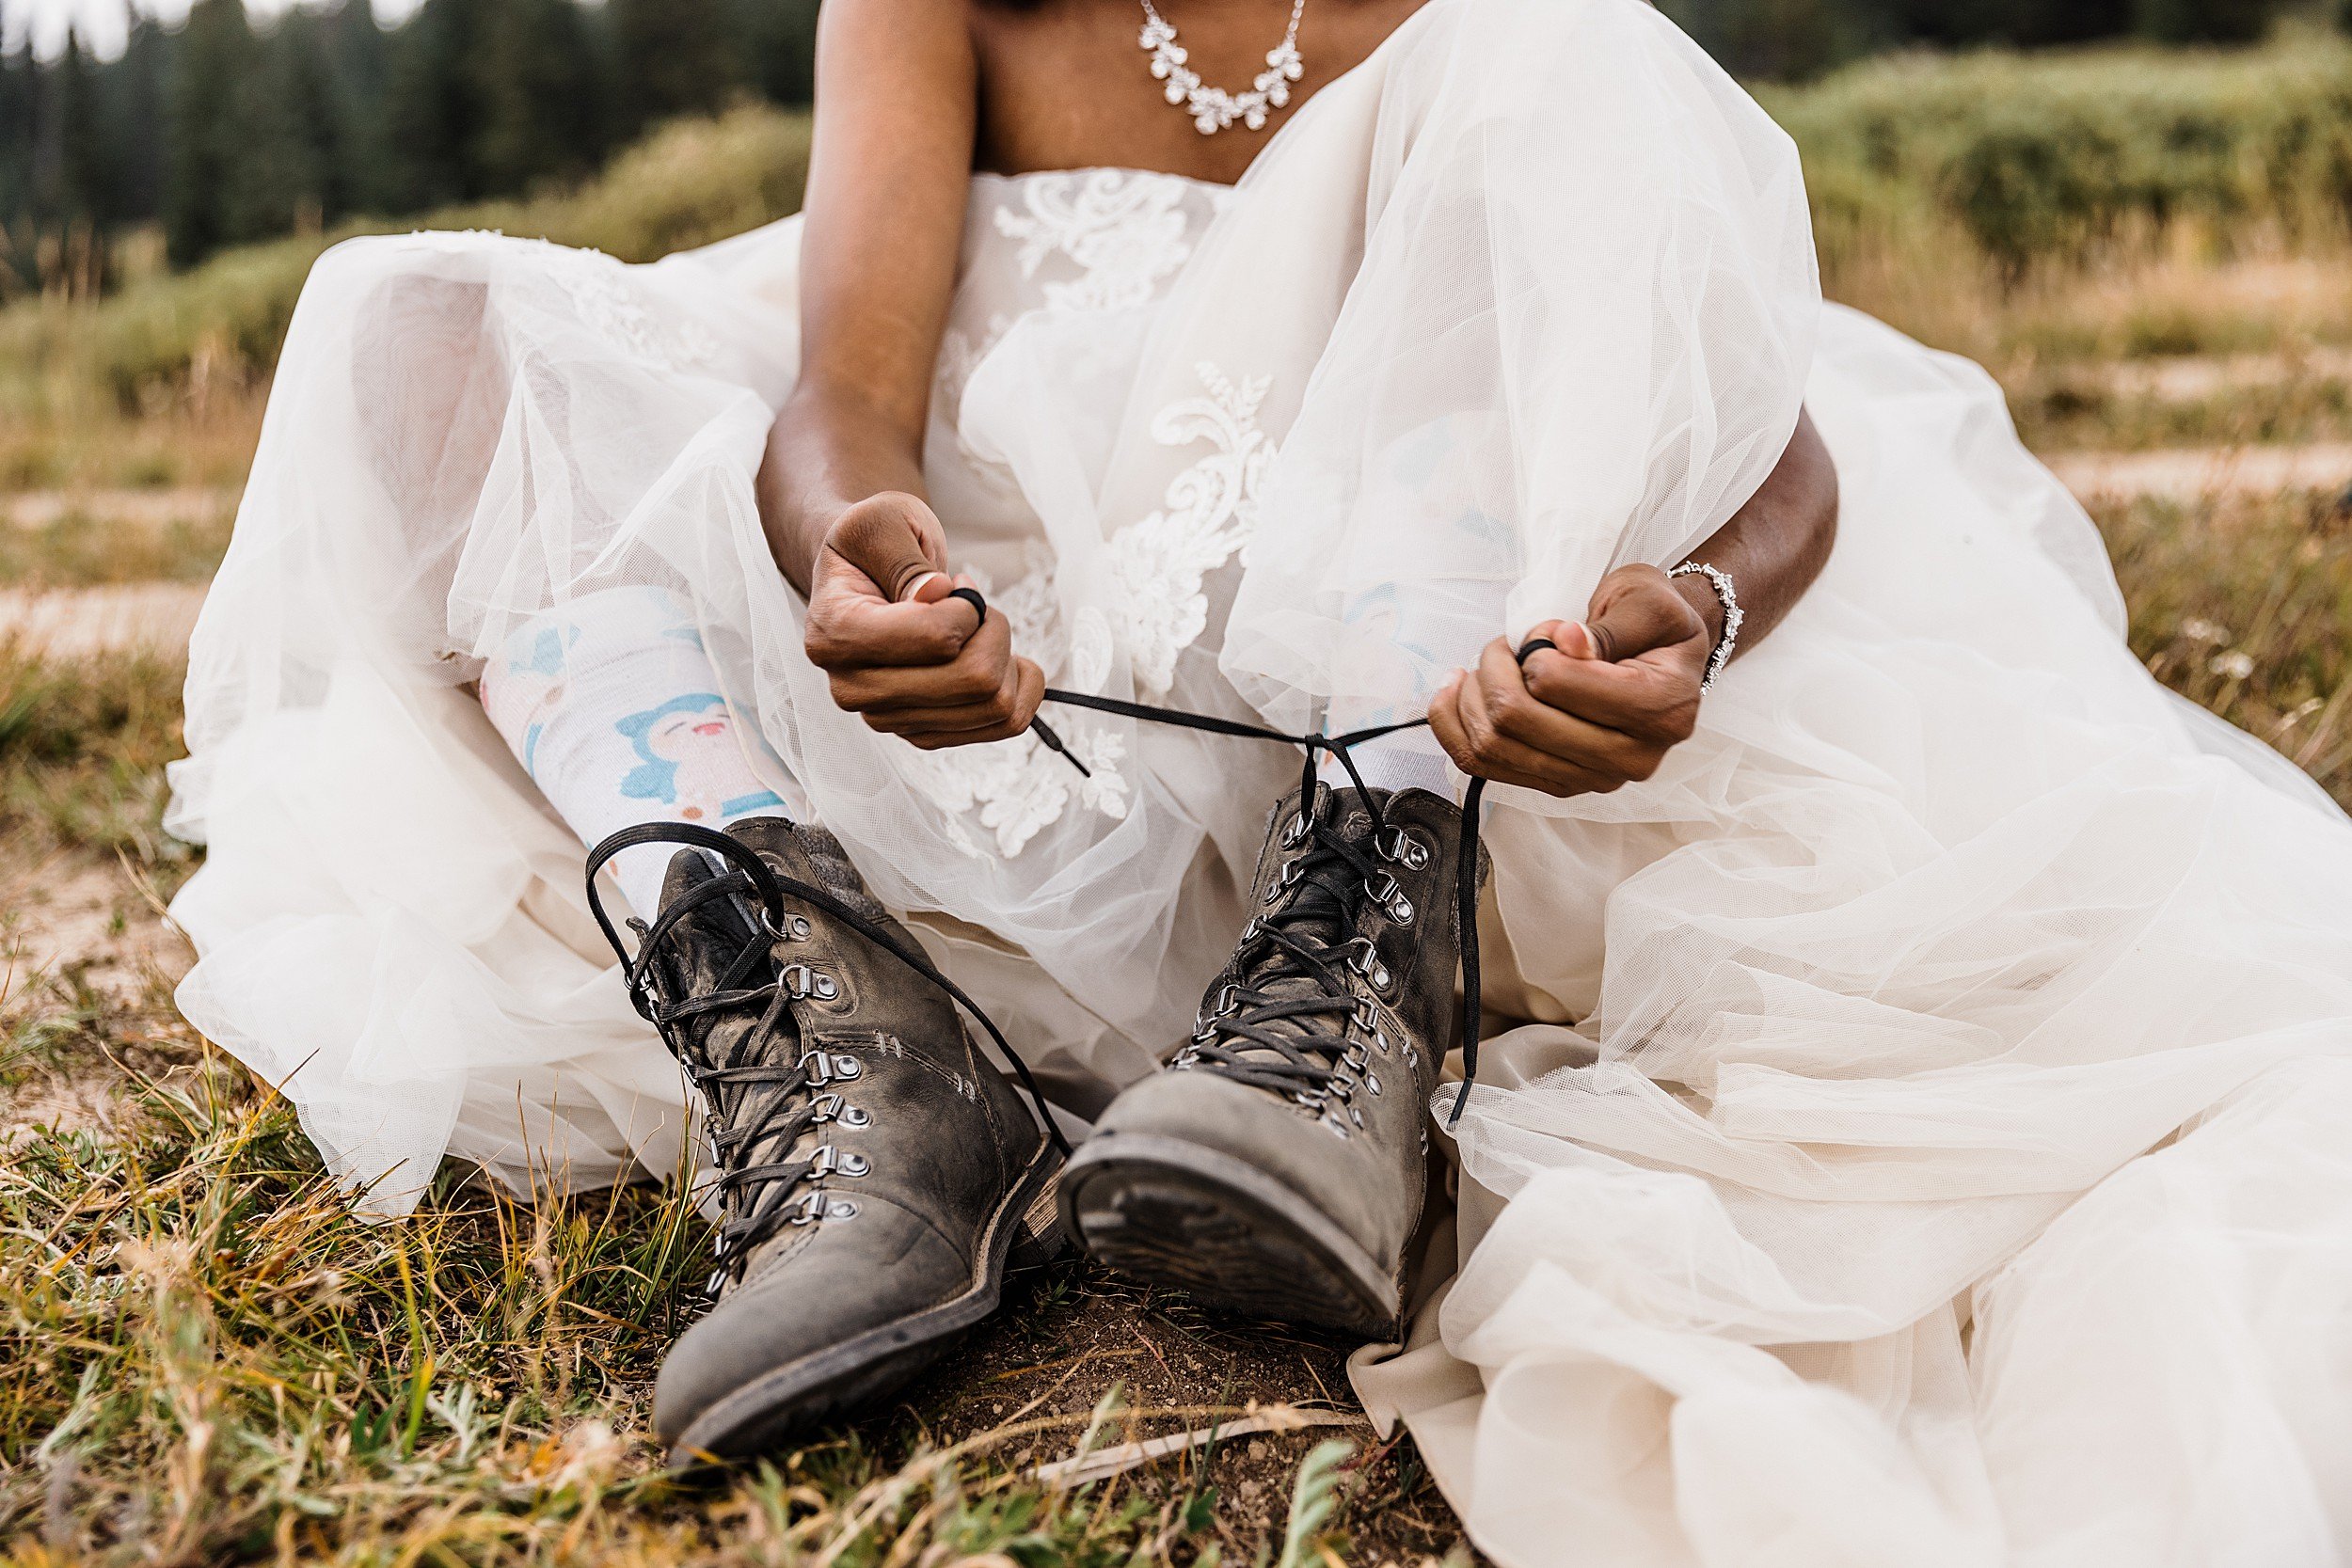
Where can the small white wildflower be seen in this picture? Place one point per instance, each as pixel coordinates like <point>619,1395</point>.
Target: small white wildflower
<point>2233,665</point>
<point>2197,630</point>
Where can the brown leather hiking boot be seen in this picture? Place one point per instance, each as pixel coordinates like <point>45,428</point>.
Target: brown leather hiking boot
<point>1277,1166</point>
<point>875,1171</point>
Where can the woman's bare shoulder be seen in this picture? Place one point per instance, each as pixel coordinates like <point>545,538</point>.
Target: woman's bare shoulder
<point>894,43</point>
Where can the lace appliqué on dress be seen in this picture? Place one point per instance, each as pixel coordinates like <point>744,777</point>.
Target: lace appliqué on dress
<point>1123,230</point>
<point>1207,517</point>
<point>1125,233</point>
<point>608,301</point>
<point>1158,567</point>
<point>1018,788</point>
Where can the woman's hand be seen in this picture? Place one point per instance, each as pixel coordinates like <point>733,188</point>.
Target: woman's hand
<point>903,656</point>
<point>1621,691</point>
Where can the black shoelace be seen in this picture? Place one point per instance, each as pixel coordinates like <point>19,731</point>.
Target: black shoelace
<point>749,1120</point>
<point>1295,1070</point>
<point>756,1107</point>
<point>1261,1029</point>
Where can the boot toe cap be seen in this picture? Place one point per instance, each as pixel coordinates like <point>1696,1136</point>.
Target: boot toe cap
<point>808,1322</point>
<point>1369,1197</point>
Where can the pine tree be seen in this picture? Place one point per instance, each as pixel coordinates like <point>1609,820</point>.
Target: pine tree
<point>209,99</point>
<point>73,202</point>
<point>18,89</point>
<point>2204,21</point>
<point>134,90</point>
<point>490,97</point>
<point>288,174</point>
<point>537,95</point>
<point>670,57</point>
<point>2022,23</point>
<point>1780,39</point>
<point>776,42</point>
<point>425,115</point>
<point>358,60</point>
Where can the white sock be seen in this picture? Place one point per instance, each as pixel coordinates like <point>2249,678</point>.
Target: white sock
<point>613,709</point>
<point>1410,759</point>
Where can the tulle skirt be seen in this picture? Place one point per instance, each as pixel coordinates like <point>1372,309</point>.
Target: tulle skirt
<point>1911,1125</point>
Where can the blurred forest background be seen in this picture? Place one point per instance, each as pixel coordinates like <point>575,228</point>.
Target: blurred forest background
<point>220,131</point>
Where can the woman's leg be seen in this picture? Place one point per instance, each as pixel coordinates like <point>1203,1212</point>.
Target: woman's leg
<point>615,710</point>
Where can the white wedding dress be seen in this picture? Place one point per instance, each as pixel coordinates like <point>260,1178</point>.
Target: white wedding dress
<point>1916,1129</point>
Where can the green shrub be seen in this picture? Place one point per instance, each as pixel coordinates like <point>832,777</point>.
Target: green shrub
<point>689,184</point>
<point>2061,156</point>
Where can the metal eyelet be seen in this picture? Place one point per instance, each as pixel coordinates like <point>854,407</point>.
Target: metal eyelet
<point>1367,963</point>
<point>1292,874</point>
<point>804,982</point>
<point>824,1068</point>
<point>794,927</point>
<point>820,1206</point>
<point>832,1108</point>
<point>1372,1082</point>
<point>830,1160</point>
<point>1404,848</point>
<point>1390,895</point>
<point>1204,1023</point>
<point>1295,832</point>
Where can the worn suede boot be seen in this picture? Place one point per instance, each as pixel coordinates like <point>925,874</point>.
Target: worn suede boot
<point>875,1171</point>
<point>1279,1163</point>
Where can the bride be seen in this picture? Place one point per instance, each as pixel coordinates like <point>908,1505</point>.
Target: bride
<point>1902,1112</point>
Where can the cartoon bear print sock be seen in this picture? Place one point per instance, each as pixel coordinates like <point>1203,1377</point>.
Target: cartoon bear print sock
<point>616,711</point>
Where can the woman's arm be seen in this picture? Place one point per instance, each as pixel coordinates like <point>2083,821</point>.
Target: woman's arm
<point>1622,689</point>
<point>841,490</point>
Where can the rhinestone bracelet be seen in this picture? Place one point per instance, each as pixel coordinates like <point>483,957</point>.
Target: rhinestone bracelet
<point>1728,598</point>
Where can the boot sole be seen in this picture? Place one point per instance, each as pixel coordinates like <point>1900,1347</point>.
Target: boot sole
<point>789,1399</point>
<point>1173,1214</point>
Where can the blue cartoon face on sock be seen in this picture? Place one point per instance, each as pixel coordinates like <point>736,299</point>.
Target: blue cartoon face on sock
<point>692,761</point>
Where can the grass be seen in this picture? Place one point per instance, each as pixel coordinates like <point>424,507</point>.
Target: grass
<point>83,747</point>
<point>87,549</point>
<point>2074,406</point>
<point>204,1357</point>
<point>2244,604</point>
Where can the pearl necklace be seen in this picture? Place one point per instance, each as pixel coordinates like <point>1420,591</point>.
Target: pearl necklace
<point>1214,109</point>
